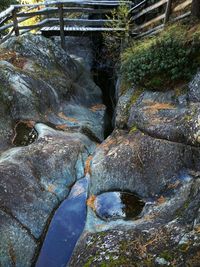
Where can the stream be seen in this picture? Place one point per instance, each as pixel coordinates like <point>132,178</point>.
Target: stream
<point>65,228</point>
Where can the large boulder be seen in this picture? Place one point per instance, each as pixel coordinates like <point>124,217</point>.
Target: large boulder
<point>166,115</point>
<point>34,180</point>
<point>40,82</point>
<point>40,85</point>
<point>166,234</point>
<point>138,163</point>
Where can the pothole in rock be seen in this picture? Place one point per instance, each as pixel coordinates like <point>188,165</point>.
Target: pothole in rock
<point>25,134</point>
<point>118,205</point>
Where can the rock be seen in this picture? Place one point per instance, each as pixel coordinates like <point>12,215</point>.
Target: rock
<point>41,82</point>
<point>14,236</point>
<point>40,85</point>
<point>111,206</point>
<point>194,89</point>
<point>35,178</point>
<point>138,163</point>
<point>122,109</point>
<point>153,239</point>
<point>163,116</point>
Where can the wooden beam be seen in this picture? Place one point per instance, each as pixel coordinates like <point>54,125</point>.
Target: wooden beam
<point>35,26</point>
<point>62,25</point>
<point>168,11</point>
<point>150,22</point>
<point>52,10</point>
<point>148,9</point>
<point>77,3</point>
<point>15,22</point>
<point>6,12</point>
<point>182,16</point>
<point>182,6</point>
<point>137,6</point>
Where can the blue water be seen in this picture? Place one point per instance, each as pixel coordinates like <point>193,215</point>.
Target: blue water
<point>65,228</point>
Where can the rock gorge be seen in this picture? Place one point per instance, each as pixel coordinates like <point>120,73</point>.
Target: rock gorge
<point>51,105</point>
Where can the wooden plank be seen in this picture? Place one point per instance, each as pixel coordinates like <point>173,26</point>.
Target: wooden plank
<point>66,28</point>
<point>9,25</point>
<point>5,38</point>
<point>134,8</point>
<point>183,16</point>
<point>7,12</point>
<point>143,34</point>
<point>168,11</point>
<point>34,26</point>
<point>76,3</point>
<point>53,10</point>
<point>150,8</point>
<point>62,25</point>
<point>182,6</point>
<point>3,21</point>
<point>150,22</point>
<point>15,22</point>
<point>79,22</point>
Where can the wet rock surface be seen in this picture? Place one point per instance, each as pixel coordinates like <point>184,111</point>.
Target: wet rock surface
<point>152,153</point>
<point>52,116</point>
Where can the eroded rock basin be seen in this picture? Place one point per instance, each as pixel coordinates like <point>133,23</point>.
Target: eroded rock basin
<point>117,205</point>
<point>25,134</point>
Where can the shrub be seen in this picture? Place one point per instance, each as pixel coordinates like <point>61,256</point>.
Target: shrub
<point>115,42</point>
<point>164,60</point>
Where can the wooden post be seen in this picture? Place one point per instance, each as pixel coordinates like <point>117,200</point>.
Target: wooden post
<point>168,11</point>
<point>15,22</point>
<point>62,25</point>
<point>195,10</point>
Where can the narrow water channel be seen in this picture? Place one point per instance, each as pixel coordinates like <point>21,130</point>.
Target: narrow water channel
<point>65,228</point>
<point>69,220</point>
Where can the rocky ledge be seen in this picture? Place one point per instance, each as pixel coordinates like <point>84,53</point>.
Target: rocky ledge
<point>154,153</point>
<point>52,118</point>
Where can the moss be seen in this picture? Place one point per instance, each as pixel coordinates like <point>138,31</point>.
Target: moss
<point>124,86</point>
<point>184,247</point>
<point>133,129</point>
<point>180,90</point>
<point>137,93</point>
<point>184,207</point>
<point>167,255</point>
<point>120,261</point>
<point>89,262</point>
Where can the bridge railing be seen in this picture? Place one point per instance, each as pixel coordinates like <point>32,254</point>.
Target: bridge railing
<point>150,19</point>
<point>13,20</point>
<point>147,18</point>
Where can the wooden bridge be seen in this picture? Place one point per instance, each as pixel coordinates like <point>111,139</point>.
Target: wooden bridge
<point>83,17</point>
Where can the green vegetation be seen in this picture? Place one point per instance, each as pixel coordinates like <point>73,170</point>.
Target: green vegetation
<point>164,60</point>
<point>119,18</point>
<point>6,3</point>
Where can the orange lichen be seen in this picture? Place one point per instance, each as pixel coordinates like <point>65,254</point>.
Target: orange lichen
<point>51,188</point>
<point>161,200</point>
<point>97,107</point>
<point>63,116</point>
<point>159,106</point>
<point>15,59</point>
<point>90,202</point>
<point>61,127</point>
<point>87,166</point>
<point>174,185</point>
